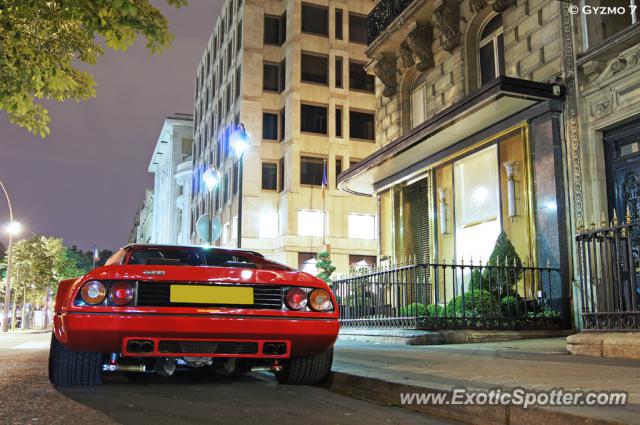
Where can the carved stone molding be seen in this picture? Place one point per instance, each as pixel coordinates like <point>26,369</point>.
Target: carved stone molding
<point>419,41</point>
<point>574,151</point>
<point>598,73</point>
<point>605,106</point>
<point>406,55</point>
<point>613,67</point>
<point>591,69</point>
<point>501,5</point>
<point>447,19</point>
<point>385,69</point>
<point>477,5</point>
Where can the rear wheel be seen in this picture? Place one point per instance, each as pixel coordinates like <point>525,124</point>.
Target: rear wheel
<point>306,370</point>
<point>69,368</point>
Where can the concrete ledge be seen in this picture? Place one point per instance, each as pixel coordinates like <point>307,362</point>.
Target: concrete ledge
<point>625,345</point>
<point>418,337</point>
<point>389,393</point>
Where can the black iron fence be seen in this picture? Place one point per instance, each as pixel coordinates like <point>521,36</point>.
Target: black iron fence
<point>385,12</point>
<point>443,295</point>
<point>609,268</point>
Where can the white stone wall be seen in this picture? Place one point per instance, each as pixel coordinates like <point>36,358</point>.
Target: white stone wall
<point>171,166</point>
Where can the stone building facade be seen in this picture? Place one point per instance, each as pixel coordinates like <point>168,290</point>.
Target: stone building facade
<point>142,222</point>
<point>473,101</point>
<point>605,163</point>
<point>292,73</point>
<point>171,165</point>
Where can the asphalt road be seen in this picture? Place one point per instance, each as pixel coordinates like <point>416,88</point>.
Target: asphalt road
<point>27,397</point>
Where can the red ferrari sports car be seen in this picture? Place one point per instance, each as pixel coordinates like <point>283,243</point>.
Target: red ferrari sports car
<point>155,308</point>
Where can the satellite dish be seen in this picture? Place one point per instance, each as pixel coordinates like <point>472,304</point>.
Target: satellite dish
<point>203,227</point>
<point>216,229</point>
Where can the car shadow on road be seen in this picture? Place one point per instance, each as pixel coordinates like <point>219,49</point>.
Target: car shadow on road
<point>184,397</point>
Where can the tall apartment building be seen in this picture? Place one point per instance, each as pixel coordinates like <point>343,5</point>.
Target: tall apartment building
<point>293,73</point>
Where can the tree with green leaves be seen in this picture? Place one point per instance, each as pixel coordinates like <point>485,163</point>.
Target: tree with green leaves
<point>40,263</point>
<point>323,262</point>
<point>43,42</point>
<point>81,258</point>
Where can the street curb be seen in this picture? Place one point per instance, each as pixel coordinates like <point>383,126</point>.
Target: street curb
<point>389,393</point>
<point>28,332</point>
<point>417,337</point>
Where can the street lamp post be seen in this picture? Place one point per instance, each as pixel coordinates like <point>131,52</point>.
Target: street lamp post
<point>240,142</point>
<point>211,178</point>
<point>7,285</point>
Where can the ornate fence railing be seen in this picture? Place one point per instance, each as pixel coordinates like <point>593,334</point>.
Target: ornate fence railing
<point>385,12</point>
<point>609,267</point>
<point>442,295</point>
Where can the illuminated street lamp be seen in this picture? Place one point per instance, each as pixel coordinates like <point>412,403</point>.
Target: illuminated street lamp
<point>240,142</point>
<point>12,229</point>
<point>211,179</point>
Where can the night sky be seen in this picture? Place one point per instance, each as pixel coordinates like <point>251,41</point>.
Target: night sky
<point>86,180</point>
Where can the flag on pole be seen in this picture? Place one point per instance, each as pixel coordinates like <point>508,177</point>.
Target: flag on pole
<point>324,174</point>
<point>96,255</point>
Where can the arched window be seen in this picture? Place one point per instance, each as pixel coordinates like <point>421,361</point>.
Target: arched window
<point>491,50</point>
<point>418,100</point>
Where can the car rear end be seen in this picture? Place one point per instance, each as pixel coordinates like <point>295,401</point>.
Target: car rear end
<point>151,316</point>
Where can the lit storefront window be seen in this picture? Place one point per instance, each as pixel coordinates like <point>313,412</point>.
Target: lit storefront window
<point>362,226</point>
<point>477,204</point>
<point>310,223</point>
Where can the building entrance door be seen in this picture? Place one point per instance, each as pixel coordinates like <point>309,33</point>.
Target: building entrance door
<point>622,148</point>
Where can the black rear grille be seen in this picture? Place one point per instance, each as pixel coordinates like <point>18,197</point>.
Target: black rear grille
<point>207,347</point>
<point>156,294</point>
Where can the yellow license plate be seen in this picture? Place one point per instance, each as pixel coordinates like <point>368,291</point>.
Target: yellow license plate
<point>200,294</point>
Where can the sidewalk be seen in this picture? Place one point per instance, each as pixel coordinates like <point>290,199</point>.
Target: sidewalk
<point>382,371</point>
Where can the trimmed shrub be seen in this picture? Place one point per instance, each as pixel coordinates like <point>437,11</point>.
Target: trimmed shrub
<point>476,303</point>
<point>425,311</point>
<point>433,308</point>
<point>512,306</point>
<point>323,262</point>
<point>546,312</point>
<point>477,282</point>
<point>503,281</point>
<point>410,310</point>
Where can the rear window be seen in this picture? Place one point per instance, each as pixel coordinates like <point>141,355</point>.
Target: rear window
<point>201,257</point>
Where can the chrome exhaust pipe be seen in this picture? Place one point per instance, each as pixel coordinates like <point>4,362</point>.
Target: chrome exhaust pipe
<point>272,368</point>
<point>126,368</point>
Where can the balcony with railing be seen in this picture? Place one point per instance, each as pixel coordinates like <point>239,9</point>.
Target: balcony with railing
<point>609,268</point>
<point>446,295</point>
<point>382,16</point>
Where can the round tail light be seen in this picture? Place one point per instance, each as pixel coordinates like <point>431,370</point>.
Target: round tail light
<point>295,299</point>
<point>93,292</point>
<point>121,293</point>
<point>319,300</point>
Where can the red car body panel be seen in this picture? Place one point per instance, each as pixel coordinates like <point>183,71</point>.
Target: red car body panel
<point>107,329</point>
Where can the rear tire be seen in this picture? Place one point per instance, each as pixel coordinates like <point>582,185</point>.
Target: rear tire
<point>306,370</point>
<point>70,368</point>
